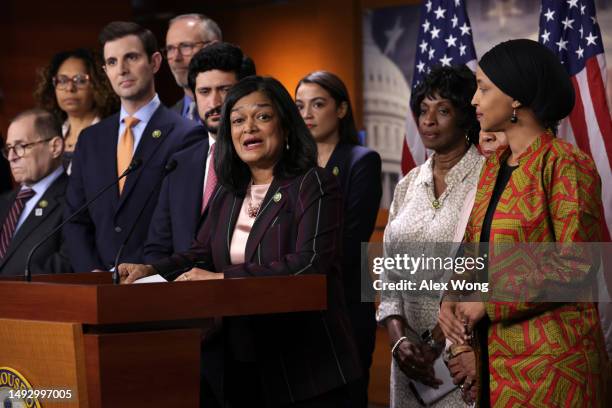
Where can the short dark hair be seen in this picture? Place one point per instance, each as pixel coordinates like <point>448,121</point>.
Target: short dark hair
<point>457,84</point>
<point>299,157</point>
<point>336,88</point>
<point>119,29</point>
<point>45,123</point>
<point>105,100</point>
<point>222,56</point>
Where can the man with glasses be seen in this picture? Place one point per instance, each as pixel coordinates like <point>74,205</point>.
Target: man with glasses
<point>144,129</point>
<point>34,147</point>
<point>187,34</point>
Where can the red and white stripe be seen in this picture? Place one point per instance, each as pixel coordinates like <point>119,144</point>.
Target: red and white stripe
<point>589,127</point>
<point>413,152</point>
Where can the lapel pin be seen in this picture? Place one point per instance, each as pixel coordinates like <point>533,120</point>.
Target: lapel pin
<point>38,212</point>
<point>336,170</point>
<point>156,134</point>
<point>277,197</point>
<point>43,203</point>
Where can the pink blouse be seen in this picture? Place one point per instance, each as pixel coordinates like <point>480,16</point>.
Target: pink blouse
<point>254,196</point>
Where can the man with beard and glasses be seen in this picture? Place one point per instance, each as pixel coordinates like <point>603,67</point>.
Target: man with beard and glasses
<point>186,192</point>
<point>187,34</point>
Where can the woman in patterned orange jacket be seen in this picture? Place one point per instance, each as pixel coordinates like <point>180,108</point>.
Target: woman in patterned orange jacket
<point>540,189</point>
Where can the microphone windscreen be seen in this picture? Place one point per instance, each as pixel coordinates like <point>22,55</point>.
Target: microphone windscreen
<point>170,166</point>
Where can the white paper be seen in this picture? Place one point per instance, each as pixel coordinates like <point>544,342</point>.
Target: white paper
<point>151,279</point>
<point>430,395</point>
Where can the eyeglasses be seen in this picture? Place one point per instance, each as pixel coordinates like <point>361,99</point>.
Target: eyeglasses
<point>64,82</point>
<point>185,48</point>
<point>20,148</point>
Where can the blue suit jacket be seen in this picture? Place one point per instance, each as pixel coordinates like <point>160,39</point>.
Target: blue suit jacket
<point>178,210</point>
<point>94,237</point>
<point>358,170</point>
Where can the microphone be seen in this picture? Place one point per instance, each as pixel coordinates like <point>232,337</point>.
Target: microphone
<point>136,162</point>
<point>169,168</point>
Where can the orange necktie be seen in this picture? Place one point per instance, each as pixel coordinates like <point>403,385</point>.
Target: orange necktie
<point>125,149</point>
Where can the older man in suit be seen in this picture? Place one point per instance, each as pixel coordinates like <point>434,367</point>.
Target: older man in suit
<point>34,147</point>
<point>187,34</point>
<point>143,129</point>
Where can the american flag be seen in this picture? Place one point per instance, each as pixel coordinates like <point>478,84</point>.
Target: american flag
<point>570,29</point>
<point>445,39</point>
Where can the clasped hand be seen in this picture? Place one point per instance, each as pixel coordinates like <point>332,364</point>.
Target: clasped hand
<point>457,319</point>
<point>198,274</point>
<point>416,363</point>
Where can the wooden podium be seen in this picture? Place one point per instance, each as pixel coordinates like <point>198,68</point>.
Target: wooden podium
<point>128,345</point>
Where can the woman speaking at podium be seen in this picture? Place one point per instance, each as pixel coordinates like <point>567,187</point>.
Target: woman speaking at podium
<point>274,213</point>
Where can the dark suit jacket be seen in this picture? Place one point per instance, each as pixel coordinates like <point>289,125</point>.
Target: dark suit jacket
<point>51,256</point>
<point>94,237</point>
<point>178,210</point>
<point>178,106</point>
<point>299,355</point>
<point>358,170</point>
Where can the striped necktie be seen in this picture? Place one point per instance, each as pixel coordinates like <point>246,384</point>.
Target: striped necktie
<point>10,223</point>
<point>211,179</point>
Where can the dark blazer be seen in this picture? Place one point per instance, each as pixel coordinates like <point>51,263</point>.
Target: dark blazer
<point>178,210</point>
<point>95,236</point>
<point>178,106</point>
<point>51,256</point>
<point>358,170</point>
<point>298,231</point>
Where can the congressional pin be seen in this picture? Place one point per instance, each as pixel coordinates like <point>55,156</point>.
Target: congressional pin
<point>336,170</point>
<point>43,203</point>
<point>38,212</point>
<point>277,197</point>
<point>156,133</point>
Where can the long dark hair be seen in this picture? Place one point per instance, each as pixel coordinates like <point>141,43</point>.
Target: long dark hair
<point>232,172</point>
<point>336,88</point>
<point>105,100</point>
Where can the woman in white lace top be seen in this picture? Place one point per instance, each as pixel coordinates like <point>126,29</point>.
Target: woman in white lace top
<point>426,206</point>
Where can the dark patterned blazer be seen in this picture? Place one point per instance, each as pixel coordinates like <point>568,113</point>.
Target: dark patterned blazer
<point>298,231</point>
